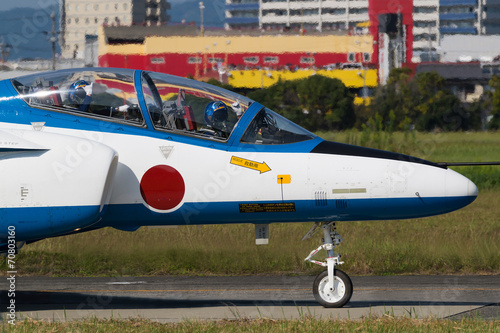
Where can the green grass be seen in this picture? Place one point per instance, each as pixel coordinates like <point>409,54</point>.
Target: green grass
<point>462,242</point>
<point>374,324</point>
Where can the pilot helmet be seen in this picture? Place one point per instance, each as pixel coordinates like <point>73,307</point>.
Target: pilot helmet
<point>215,112</point>
<point>76,92</point>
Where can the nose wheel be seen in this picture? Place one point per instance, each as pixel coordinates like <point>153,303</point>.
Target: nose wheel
<point>331,288</point>
<point>337,296</point>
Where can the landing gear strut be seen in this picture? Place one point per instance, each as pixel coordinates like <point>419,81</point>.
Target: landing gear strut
<point>332,288</point>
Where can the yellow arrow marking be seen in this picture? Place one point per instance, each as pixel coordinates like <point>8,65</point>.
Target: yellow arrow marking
<point>262,167</point>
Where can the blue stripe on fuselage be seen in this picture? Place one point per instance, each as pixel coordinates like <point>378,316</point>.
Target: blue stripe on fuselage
<point>306,210</point>
<point>40,222</point>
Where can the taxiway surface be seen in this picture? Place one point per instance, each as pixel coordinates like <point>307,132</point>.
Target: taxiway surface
<point>172,299</point>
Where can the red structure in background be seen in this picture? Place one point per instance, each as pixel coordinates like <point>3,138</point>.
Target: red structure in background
<point>182,64</point>
<point>391,45</point>
<point>403,7</point>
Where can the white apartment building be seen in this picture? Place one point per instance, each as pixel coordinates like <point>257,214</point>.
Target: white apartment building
<point>426,33</point>
<point>80,20</point>
<point>320,15</point>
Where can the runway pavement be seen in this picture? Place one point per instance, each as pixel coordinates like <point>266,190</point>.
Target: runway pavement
<point>172,299</point>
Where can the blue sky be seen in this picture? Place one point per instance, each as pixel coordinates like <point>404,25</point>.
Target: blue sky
<point>190,12</point>
<point>6,5</point>
<point>25,29</point>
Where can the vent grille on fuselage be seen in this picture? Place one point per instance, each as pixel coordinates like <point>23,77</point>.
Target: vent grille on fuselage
<point>320,199</point>
<point>341,204</point>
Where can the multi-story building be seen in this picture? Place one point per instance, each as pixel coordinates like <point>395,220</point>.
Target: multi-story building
<point>469,17</point>
<point>490,17</point>
<point>468,30</point>
<point>80,20</point>
<point>460,16</point>
<point>242,14</point>
<point>318,15</point>
<point>290,14</point>
<point>389,23</point>
<point>330,15</point>
<point>426,33</point>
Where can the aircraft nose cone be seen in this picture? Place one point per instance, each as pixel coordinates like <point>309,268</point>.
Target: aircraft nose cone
<point>472,189</point>
<point>459,188</point>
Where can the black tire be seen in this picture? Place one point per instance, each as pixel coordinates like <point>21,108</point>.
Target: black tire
<point>339,297</point>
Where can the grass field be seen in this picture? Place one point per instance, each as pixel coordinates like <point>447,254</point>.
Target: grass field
<point>377,324</point>
<point>465,241</point>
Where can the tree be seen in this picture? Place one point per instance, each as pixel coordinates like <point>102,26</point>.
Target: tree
<point>439,108</point>
<point>421,102</point>
<point>493,97</point>
<point>316,102</point>
<point>328,101</point>
<point>392,102</point>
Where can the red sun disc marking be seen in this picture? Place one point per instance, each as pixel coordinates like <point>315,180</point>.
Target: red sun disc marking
<point>162,187</point>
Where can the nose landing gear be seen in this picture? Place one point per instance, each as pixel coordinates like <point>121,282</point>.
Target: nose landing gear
<point>331,288</point>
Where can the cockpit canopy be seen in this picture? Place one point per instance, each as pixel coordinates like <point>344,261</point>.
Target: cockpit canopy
<point>179,105</point>
<point>108,90</point>
<point>158,101</point>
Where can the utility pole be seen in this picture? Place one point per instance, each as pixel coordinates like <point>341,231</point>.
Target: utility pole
<point>429,45</point>
<point>4,50</point>
<point>302,20</point>
<point>202,32</point>
<point>398,59</point>
<point>53,39</point>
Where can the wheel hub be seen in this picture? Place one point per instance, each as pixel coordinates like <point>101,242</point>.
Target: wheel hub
<point>334,295</point>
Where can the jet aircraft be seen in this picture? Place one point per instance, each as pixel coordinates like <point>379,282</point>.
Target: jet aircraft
<point>89,148</point>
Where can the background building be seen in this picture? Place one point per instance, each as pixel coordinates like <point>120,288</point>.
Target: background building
<point>242,14</point>
<point>426,33</point>
<point>466,48</point>
<point>460,16</point>
<point>351,17</point>
<point>244,61</point>
<point>302,14</point>
<point>429,24</point>
<point>361,35</point>
<point>469,17</point>
<point>80,20</point>
<point>391,25</point>
<point>467,81</point>
<point>179,50</point>
<point>469,30</point>
<point>490,17</point>
<point>312,15</point>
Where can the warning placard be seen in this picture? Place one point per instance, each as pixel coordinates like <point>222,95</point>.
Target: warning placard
<point>280,207</point>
